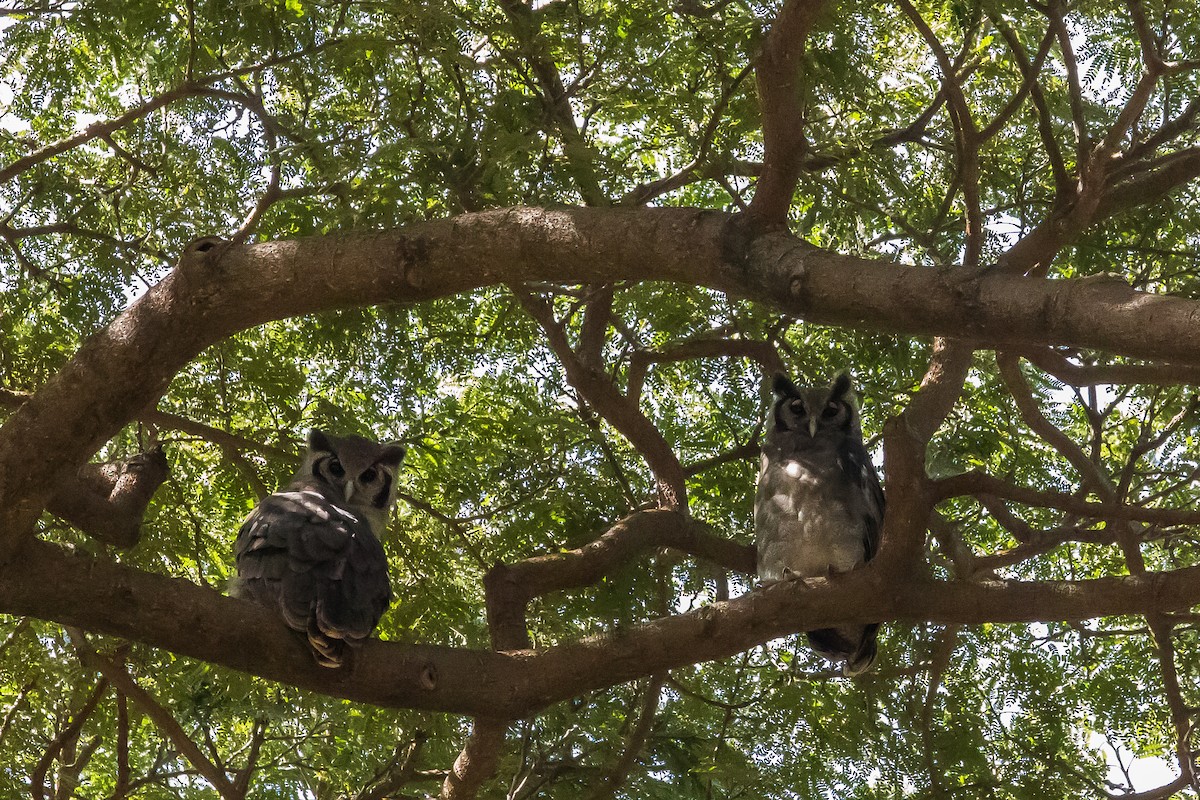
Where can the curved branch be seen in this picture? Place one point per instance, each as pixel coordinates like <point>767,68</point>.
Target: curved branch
<point>220,289</point>
<point>588,377</point>
<point>1022,394</point>
<point>979,483</point>
<point>195,621</point>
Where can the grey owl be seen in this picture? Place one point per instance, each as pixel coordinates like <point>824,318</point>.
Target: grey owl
<point>312,550</point>
<point>819,507</point>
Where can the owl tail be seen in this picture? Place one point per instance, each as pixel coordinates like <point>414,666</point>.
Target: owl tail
<point>327,650</point>
<point>854,646</point>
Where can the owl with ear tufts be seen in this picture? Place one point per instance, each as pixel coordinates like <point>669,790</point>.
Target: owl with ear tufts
<point>819,507</point>
<point>311,551</point>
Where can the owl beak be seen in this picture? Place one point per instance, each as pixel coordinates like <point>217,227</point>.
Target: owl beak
<point>812,427</point>
<point>349,490</point>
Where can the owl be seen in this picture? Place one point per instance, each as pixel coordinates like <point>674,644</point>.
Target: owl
<point>312,552</point>
<point>819,507</point>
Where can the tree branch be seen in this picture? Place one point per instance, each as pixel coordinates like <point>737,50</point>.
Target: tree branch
<point>1027,405</point>
<point>978,483</point>
<point>197,622</point>
<point>1056,364</point>
<point>70,732</point>
<point>616,776</point>
<point>779,77</point>
<point>219,290</point>
<point>593,383</point>
<point>116,674</point>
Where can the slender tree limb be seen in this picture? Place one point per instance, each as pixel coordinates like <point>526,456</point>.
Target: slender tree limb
<point>1055,363</point>
<point>69,733</point>
<point>939,661</point>
<point>637,533</point>
<point>762,352</point>
<point>597,388</point>
<point>978,483</point>
<point>1156,181</point>
<point>646,192</point>
<point>401,770</point>
<point>105,129</point>
<point>966,136</point>
<point>101,129</point>
<point>635,740</point>
<point>1029,79</point>
<point>743,452</point>
<point>557,101</point>
<point>1027,405</point>
<point>1168,131</point>
<point>243,776</point>
<point>117,675</point>
<point>122,784</point>
<point>1064,187</point>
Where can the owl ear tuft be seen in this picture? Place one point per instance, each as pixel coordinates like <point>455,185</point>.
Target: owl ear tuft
<point>842,386</point>
<point>782,386</point>
<point>393,454</point>
<point>318,441</point>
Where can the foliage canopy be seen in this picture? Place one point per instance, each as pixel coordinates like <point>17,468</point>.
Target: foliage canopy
<point>1003,138</point>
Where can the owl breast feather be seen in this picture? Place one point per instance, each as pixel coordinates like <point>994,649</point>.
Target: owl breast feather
<point>803,523</point>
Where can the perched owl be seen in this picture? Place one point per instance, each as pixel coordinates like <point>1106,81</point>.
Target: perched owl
<point>312,550</point>
<point>819,508</point>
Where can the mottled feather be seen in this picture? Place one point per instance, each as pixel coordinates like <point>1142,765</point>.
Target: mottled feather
<point>819,506</point>
<point>312,551</point>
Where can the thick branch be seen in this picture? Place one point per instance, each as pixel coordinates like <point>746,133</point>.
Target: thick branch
<point>223,289</point>
<point>779,79</point>
<point>510,587</point>
<point>107,501</point>
<point>477,761</point>
<point>195,621</point>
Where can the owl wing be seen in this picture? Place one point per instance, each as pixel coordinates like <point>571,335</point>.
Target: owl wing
<point>320,563</point>
<point>856,463</point>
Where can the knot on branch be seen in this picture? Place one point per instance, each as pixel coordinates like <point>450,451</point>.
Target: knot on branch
<point>204,247</point>
<point>429,677</point>
<point>108,500</point>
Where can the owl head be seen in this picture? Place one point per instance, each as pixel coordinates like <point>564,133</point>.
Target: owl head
<point>360,471</point>
<point>829,412</point>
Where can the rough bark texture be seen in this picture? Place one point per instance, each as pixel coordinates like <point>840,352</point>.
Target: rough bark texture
<point>216,292</point>
<point>107,501</point>
<point>198,622</point>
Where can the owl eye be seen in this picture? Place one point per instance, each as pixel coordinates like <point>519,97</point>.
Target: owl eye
<point>336,469</point>
<point>831,411</point>
<point>797,407</point>
<point>369,475</point>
